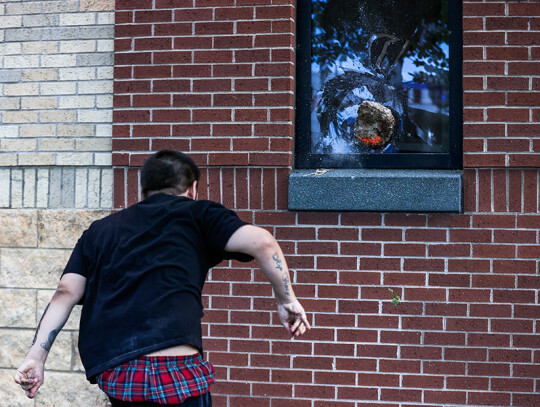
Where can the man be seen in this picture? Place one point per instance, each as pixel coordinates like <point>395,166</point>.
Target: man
<point>139,274</point>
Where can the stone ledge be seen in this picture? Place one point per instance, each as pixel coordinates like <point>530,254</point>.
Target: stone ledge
<point>376,190</point>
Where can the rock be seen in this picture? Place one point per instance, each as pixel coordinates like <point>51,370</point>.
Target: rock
<point>374,125</point>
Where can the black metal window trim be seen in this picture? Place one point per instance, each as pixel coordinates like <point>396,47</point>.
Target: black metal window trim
<point>304,159</point>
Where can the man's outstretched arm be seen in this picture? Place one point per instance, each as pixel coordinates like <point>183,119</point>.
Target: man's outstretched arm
<point>260,244</point>
<point>70,290</point>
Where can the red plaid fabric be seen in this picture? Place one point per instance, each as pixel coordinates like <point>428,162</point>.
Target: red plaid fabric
<point>158,379</point>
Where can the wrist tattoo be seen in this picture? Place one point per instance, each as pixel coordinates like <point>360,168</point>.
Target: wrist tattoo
<point>39,324</point>
<point>278,262</point>
<point>50,339</point>
<point>286,282</point>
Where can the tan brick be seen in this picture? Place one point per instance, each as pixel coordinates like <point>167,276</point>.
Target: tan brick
<point>94,144</point>
<point>9,390</point>
<point>77,74</point>
<point>8,160</point>
<point>36,103</point>
<point>78,46</point>
<point>38,130</point>
<point>13,346</point>
<point>96,5</point>
<point>21,61</point>
<point>18,145</point>
<point>33,159</point>
<point>10,103</point>
<point>42,189</point>
<point>58,116</point>
<point>62,228</point>
<point>29,188</point>
<point>76,102</point>
<point>20,89</point>
<point>18,308</point>
<point>10,21</point>
<point>77,19</point>
<point>76,159</point>
<point>23,8</point>
<point>39,47</point>
<point>20,117</point>
<point>104,102</point>
<point>17,188</point>
<point>104,130</point>
<point>103,159</point>
<point>95,116</point>
<point>19,228</point>
<point>94,186</point>
<point>105,73</point>
<point>75,130</point>
<point>40,75</point>
<point>52,61</point>
<point>32,268</point>
<point>58,88</point>
<point>64,6</point>
<point>105,46</point>
<point>10,48</point>
<point>5,181</point>
<point>69,390</point>
<point>105,18</point>
<point>96,87</point>
<point>61,144</point>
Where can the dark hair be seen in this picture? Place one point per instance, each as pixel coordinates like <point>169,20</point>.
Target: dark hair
<point>168,169</point>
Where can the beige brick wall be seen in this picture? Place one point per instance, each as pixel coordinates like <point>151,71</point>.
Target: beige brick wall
<point>34,248</point>
<point>55,175</point>
<point>56,83</point>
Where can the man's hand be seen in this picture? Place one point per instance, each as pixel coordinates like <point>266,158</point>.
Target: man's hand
<point>293,318</point>
<point>30,376</point>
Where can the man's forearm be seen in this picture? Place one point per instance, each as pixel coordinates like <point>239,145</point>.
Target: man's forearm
<point>273,264</point>
<point>53,319</point>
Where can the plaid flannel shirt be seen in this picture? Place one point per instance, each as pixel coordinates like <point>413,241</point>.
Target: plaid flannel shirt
<point>158,379</point>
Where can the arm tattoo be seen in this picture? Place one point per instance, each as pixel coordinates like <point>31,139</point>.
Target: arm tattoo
<point>286,281</point>
<point>278,262</point>
<point>39,325</point>
<point>50,339</point>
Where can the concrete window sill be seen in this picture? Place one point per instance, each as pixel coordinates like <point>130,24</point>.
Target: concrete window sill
<point>376,190</point>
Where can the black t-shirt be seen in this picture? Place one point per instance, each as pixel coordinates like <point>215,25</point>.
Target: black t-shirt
<point>145,267</point>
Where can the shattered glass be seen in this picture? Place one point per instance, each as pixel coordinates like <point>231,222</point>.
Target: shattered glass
<point>379,76</point>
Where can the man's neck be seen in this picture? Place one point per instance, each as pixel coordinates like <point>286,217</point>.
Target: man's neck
<point>168,191</point>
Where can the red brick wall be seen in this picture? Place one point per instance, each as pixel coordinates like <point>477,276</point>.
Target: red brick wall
<point>215,78</point>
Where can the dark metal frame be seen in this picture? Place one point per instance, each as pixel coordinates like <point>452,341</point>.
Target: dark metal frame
<point>303,156</point>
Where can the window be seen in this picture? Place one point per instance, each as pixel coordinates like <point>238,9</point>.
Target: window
<point>379,84</point>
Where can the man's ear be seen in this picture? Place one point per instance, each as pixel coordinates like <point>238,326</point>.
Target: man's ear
<point>192,191</point>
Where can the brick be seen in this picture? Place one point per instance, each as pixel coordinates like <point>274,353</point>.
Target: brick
<point>494,251</point>
<point>507,325</point>
<point>523,68</point>
<point>193,43</point>
<point>473,295</point>
<point>423,265</point>
<point>451,396</point>
<point>401,395</point>
<point>522,38</point>
<point>484,68</point>
<point>449,250</point>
